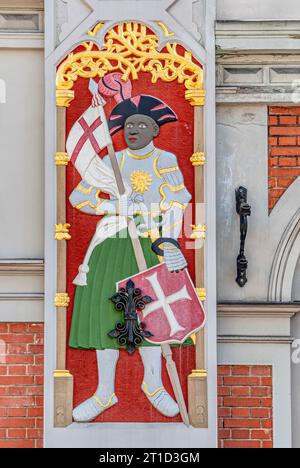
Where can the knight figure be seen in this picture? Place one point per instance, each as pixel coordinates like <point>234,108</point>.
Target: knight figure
<point>156,197</point>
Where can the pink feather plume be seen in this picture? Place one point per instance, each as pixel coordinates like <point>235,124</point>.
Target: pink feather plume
<point>112,85</point>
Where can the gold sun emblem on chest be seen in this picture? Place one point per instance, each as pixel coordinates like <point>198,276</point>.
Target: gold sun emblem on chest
<point>140,181</point>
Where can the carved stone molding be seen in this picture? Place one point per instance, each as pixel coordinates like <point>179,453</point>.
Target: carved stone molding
<point>258,61</point>
<point>21,267</point>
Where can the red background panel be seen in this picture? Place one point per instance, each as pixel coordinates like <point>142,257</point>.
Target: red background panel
<point>177,138</point>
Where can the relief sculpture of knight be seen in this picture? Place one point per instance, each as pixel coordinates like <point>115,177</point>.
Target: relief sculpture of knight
<point>155,197</point>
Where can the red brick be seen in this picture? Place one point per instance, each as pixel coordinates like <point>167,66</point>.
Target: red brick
<point>273,141</point>
<point>39,444</point>
<point>16,349</point>
<point>35,370</point>
<point>242,423</point>
<point>35,327</point>
<point>284,110</point>
<point>242,402</point>
<point>245,444</point>
<point>38,339</point>
<point>35,349</point>
<point>17,412</point>
<point>16,380</point>
<point>39,380</point>
<point>34,434</point>
<point>241,370</point>
<point>260,413</point>
<point>16,433</point>
<point>240,391</point>
<point>276,193</point>
<point>224,412</point>
<point>3,327</point>
<point>273,162</point>
<point>224,391</point>
<point>267,424</point>
<point>284,172</point>
<point>267,402</point>
<point>261,391</point>
<point>224,370</point>
<point>20,359</point>
<point>224,433</point>
<point>36,412</point>
<point>14,443</point>
<point>287,141</point>
<point>240,413</point>
<point>241,434</point>
<point>288,120</point>
<point>285,182</point>
<point>35,390</point>
<point>15,402</point>
<point>16,338</point>
<point>39,360</point>
<point>17,370</point>
<point>273,120</point>
<point>284,131</point>
<point>260,434</point>
<point>39,401</point>
<point>284,151</point>
<point>267,444</point>
<point>273,182</point>
<point>2,433</point>
<point>17,422</point>
<point>39,423</point>
<point>267,381</point>
<point>3,370</point>
<point>241,381</point>
<point>17,327</point>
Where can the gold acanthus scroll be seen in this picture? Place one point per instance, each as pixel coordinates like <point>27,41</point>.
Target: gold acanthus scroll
<point>131,48</point>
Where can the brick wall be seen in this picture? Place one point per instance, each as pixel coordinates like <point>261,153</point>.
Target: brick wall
<point>245,407</point>
<point>284,150</point>
<point>245,395</point>
<point>21,385</point>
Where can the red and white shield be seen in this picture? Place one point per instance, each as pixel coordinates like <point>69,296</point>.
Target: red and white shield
<point>176,311</point>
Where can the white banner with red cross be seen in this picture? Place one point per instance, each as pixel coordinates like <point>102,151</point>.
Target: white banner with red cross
<point>176,311</point>
<point>89,135</point>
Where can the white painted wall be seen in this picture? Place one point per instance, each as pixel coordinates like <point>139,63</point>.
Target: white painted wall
<point>21,154</point>
<point>258,10</point>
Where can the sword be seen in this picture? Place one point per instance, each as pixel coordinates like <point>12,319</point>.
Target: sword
<point>142,265</point>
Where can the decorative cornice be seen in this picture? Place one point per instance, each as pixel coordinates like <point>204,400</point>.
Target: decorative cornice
<point>249,36</point>
<point>240,339</point>
<point>21,267</point>
<point>16,297</point>
<point>258,310</point>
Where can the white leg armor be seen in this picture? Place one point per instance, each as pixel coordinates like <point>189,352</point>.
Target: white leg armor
<point>104,397</point>
<point>153,386</point>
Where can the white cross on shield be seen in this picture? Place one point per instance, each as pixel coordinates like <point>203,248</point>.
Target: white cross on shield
<point>176,311</point>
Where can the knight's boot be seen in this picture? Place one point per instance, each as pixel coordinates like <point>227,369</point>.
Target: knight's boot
<point>105,397</point>
<point>152,386</point>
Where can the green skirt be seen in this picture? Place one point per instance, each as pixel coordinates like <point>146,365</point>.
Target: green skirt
<point>94,314</point>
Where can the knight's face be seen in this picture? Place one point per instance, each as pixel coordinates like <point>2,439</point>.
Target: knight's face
<point>139,131</point>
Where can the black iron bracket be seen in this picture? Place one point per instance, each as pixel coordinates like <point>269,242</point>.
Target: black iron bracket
<point>243,210</point>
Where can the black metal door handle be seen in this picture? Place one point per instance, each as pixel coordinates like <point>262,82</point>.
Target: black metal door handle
<point>243,210</point>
